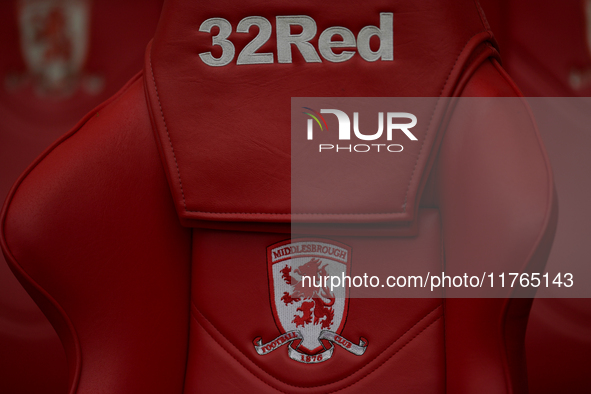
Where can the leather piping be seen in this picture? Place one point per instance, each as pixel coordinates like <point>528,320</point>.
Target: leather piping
<point>197,315</point>
<point>53,310</point>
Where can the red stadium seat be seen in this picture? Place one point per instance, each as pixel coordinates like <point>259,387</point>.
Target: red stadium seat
<point>59,60</point>
<point>546,48</point>
<point>159,234</point>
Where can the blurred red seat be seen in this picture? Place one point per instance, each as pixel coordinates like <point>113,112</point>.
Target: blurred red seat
<point>59,60</point>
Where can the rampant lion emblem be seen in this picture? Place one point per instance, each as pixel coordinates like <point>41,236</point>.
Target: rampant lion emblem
<point>314,304</point>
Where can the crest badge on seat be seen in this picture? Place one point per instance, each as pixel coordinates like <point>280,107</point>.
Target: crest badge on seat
<point>55,45</point>
<point>308,311</point>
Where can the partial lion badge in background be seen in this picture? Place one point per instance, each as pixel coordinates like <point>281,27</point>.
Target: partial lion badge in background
<point>310,314</point>
<point>54,37</point>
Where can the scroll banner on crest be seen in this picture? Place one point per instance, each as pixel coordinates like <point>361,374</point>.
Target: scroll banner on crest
<point>294,354</point>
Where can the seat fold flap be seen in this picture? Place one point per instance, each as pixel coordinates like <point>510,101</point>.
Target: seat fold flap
<point>320,112</point>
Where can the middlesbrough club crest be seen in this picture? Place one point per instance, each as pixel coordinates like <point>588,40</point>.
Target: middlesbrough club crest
<point>54,42</point>
<point>308,311</point>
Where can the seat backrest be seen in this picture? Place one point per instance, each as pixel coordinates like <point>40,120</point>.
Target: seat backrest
<point>169,234</point>
<point>56,64</point>
<point>558,339</point>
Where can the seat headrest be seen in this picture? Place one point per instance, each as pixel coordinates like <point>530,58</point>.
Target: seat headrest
<point>220,77</point>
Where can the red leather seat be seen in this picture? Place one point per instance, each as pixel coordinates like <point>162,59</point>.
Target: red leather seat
<point>99,54</point>
<point>559,330</point>
<point>149,233</point>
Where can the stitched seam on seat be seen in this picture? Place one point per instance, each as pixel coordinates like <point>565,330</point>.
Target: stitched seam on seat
<point>296,214</point>
<point>322,385</point>
<point>167,133</point>
<point>11,259</point>
<point>550,197</point>
<point>483,19</point>
<point>389,358</point>
<point>431,120</point>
